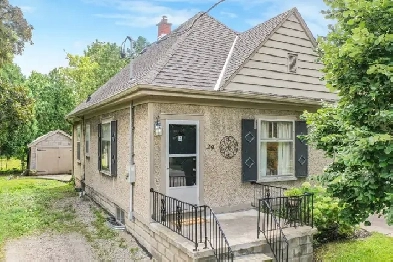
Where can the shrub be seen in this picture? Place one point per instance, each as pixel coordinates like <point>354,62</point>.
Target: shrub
<point>326,214</point>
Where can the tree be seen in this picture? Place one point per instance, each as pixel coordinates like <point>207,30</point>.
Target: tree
<point>140,44</point>
<point>15,137</point>
<point>14,32</point>
<point>54,99</point>
<point>357,131</point>
<point>17,110</point>
<point>100,62</point>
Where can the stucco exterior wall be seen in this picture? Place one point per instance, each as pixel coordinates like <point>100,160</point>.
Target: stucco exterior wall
<point>222,185</point>
<point>142,162</point>
<point>115,189</point>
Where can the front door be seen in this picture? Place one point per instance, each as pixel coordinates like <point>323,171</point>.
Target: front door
<point>182,161</point>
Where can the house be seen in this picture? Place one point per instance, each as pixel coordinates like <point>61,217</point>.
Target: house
<point>204,113</point>
<point>51,153</point>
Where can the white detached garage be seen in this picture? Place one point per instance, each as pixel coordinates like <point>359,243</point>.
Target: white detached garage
<point>51,153</point>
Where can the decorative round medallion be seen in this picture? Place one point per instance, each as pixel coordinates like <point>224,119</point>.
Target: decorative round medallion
<point>228,147</point>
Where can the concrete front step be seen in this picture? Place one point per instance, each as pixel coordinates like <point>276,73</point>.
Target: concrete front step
<point>254,251</point>
<point>254,257</point>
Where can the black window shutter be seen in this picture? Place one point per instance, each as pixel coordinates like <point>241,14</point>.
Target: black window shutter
<point>301,150</point>
<point>114,148</point>
<point>99,146</point>
<point>249,150</point>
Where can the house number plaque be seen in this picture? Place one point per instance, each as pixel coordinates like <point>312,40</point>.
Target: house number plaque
<point>229,147</point>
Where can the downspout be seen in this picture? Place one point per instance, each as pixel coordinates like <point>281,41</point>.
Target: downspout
<point>131,174</point>
<point>73,151</point>
<point>83,152</point>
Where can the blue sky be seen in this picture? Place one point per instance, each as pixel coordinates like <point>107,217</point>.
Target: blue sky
<point>62,26</point>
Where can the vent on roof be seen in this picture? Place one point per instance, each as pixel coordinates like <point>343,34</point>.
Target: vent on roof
<point>292,62</point>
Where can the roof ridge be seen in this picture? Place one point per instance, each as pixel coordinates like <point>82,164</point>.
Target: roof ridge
<point>234,31</point>
<point>287,13</point>
<point>173,47</point>
<point>199,21</point>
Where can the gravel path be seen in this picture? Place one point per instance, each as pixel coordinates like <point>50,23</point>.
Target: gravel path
<point>88,244</point>
<point>50,247</point>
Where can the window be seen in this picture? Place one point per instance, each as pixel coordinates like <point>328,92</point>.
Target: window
<point>78,142</point>
<point>276,148</point>
<point>272,150</point>
<point>292,63</point>
<point>106,146</point>
<point>120,215</point>
<point>87,140</point>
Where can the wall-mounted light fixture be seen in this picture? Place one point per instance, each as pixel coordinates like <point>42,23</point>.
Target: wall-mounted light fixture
<point>157,127</point>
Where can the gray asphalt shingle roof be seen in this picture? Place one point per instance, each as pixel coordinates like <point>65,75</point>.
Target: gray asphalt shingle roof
<point>189,57</point>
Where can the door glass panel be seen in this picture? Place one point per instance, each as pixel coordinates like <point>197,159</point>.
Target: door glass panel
<point>182,139</point>
<point>182,171</point>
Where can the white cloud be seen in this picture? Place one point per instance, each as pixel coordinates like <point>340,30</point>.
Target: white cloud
<point>310,11</point>
<point>144,13</point>
<point>228,14</point>
<point>27,9</point>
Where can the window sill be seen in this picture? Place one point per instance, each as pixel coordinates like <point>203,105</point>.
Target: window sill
<point>78,161</point>
<point>105,173</point>
<point>277,179</point>
<point>88,156</point>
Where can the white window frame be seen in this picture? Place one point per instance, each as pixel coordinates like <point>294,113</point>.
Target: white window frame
<point>87,135</point>
<point>104,122</point>
<point>120,215</point>
<point>78,140</point>
<point>259,119</point>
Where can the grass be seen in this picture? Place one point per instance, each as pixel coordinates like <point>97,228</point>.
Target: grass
<point>10,164</point>
<point>26,207</point>
<point>376,248</point>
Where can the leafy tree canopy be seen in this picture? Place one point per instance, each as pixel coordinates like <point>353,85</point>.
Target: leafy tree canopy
<point>100,62</point>
<point>357,131</point>
<point>54,99</point>
<point>14,32</point>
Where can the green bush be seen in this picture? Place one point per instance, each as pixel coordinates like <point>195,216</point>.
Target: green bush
<point>326,214</point>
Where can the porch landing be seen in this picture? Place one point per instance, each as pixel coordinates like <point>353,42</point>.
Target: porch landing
<point>240,229</point>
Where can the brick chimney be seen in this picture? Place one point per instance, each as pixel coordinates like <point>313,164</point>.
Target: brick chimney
<point>164,27</point>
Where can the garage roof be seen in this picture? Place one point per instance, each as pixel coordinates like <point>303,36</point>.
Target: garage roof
<point>49,134</point>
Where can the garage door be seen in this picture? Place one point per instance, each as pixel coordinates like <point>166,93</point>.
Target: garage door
<point>54,160</point>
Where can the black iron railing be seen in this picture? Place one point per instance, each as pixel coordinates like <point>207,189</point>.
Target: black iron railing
<point>270,226</point>
<point>196,223</point>
<point>216,237</point>
<point>282,212</point>
<point>266,191</point>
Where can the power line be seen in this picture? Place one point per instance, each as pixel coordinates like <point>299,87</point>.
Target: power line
<point>182,31</point>
<point>196,19</point>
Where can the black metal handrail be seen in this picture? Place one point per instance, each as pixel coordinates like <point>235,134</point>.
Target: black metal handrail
<point>191,221</point>
<point>266,191</point>
<point>277,213</point>
<point>271,228</point>
<point>216,237</point>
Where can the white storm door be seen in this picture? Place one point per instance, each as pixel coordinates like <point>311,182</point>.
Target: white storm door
<point>182,161</point>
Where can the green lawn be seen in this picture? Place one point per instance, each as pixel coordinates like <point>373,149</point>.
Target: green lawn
<point>25,207</point>
<point>10,164</point>
<point>376,248</point>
